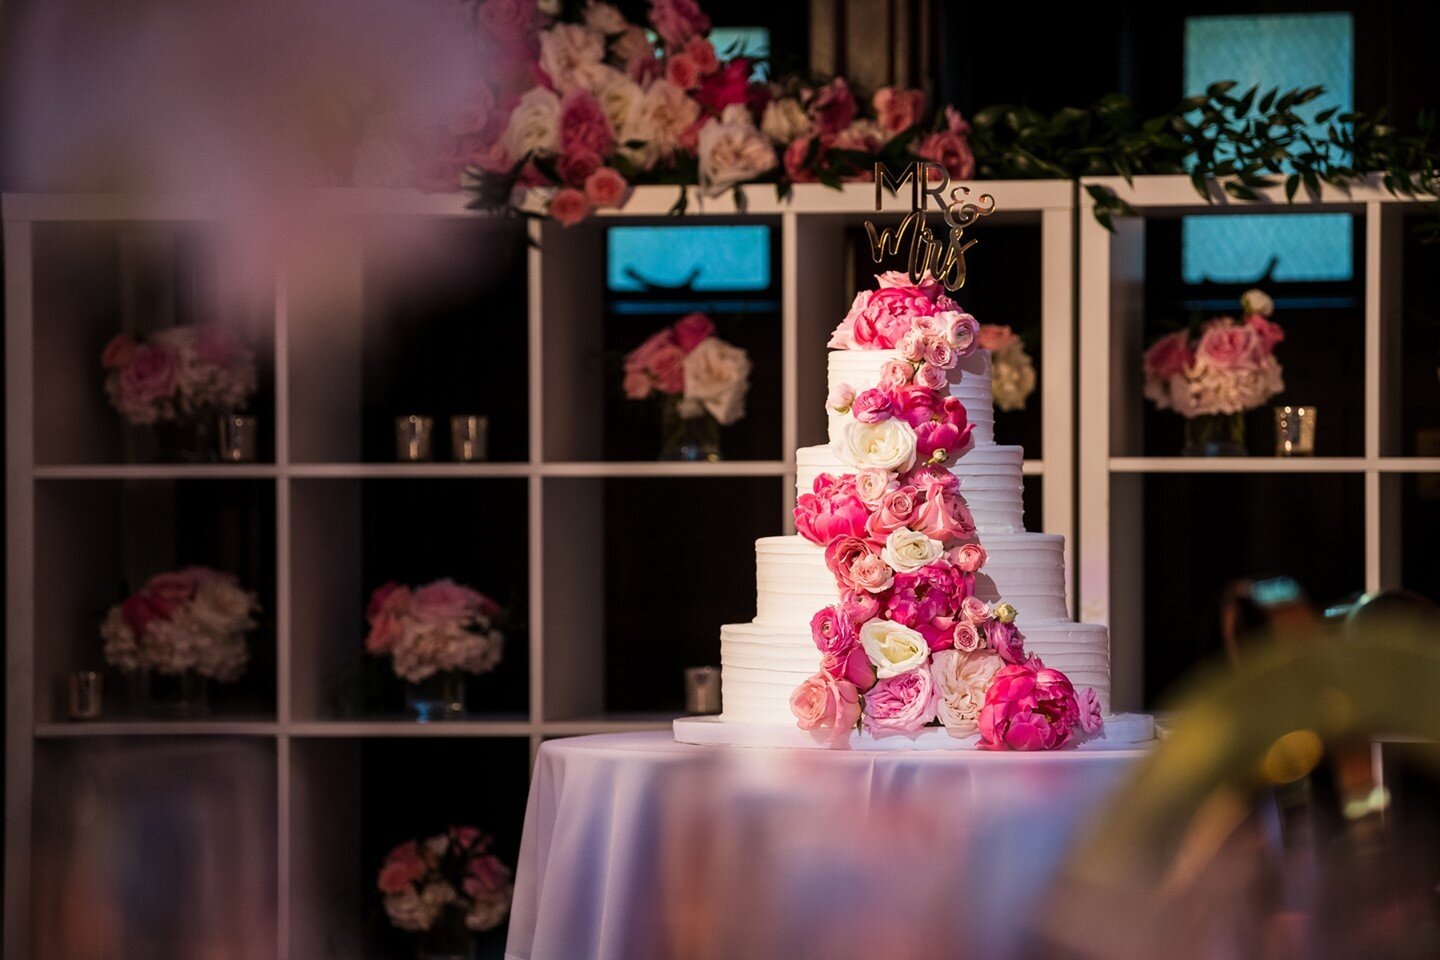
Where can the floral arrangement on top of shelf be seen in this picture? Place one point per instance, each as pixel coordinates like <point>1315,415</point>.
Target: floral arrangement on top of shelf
<point>909,643</point>
<point>1012,372</point>
<point>701,381</point>
<point>447,889</point>
<point>183,378</point>
<point>180,630</point>
<point>434,635</point>
<point>1212,374</point>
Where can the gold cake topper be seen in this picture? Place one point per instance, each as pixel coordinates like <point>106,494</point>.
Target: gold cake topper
<point>943,260</point>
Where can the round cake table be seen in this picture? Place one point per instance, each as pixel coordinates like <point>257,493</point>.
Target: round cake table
<point>638,847</point>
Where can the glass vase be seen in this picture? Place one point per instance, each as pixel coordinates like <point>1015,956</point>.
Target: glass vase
<point>437,697</point>
<point>446,941</point>
<point>694,439</point>
<point>195,439</point>
<point>177,696</point>
<point>1215,435</point>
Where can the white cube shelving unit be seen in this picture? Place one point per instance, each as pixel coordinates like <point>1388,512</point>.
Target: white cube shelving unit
<point>79,516</point>
<point>1111,471</point>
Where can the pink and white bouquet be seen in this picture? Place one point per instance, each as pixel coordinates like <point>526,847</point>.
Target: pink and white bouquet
<point>449,884</point>
<point>909,644</point>
<point>579,100</point>
<point>178,374</point>
<point>441,627</point>
<point>1012,372</point>
<point>688,365</point>
<point>1227,368</point>
<point>194,619</point>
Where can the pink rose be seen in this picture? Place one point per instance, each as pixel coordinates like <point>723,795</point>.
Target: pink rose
<point>153,374</point>
<point>911,346</point>
<point>118,352</point>
<point>583,124</point>
<point>974,609</point>
<point>800,162</point>
<point>1087,704</point>
<point>895,374</point>
<point>833,107</point>
<point>577,166</point>
<point>928,479</point>
<point>841,555</point>
<point>569,206</point>
<point>138,611</point>
<point>667,367</point>
<point>729,85</point>
<point>951,151</point>
<point>901,704</point>
<point>932,377</point>
<point>821,519</point>
<point>872,483</point>
<point>606,187</point>
<point>388,598</point>
<point>897,509</point>
<point>967,636</point>
<point>1267,332</point>
<point>1169,356</point>
<point>873,406</point>
<point>1006,640</point>
<point>945,517</point>
<point>445,600</point>
<point>691,329</point>
<point>702,52</point>
<point>851,665</point>
<point>1227,346</point>
<point>676,21</point>
<point>994,337</point>
<point>898,110</point>
<point>682,71</point>
<point>822,703</point>
<point>871,574</point>
<point>917,404</point>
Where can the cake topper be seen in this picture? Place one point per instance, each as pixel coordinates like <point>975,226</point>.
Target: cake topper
<point>943,260</point>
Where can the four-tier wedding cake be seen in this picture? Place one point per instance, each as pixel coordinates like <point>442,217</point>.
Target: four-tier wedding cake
<point>912,608</point>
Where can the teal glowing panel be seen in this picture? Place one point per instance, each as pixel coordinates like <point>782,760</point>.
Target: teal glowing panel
<point>687,258</point>
<point>1239,248</point>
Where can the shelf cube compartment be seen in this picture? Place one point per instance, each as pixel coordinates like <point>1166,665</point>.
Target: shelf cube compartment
<point>1410,337</point>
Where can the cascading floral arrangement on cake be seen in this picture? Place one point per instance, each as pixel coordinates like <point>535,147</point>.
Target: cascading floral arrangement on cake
<point>909,644</point>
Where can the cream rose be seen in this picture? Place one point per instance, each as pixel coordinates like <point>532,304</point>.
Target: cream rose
<point>893,647</point>
<point>908,550</point>
<point>619,97</point>
<point>717,375</point>
<point>872,483</point>
<point>732,151</point>
<point>605,18</point>
<point>888,445</point>
<point>785,120</point>
<point>1257,301</point>
<point>569,53</point>
<point>222,607</point>
<point>535,124</point>
<point>961,680</point>
<point>662,117</point>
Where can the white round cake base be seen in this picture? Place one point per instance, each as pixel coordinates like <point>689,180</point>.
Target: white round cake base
<point>1125,731</point>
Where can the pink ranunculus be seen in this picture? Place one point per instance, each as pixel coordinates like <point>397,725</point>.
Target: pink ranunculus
<point>941,354</point>
<point>577,166</point>
<point>873,406</point>
<point>153,374</point>
<point>569,206</point>
<point>896,374</point>
<point>676,21</point>
<point>1169,356</point>
<point>118,352</point>
<point>583,124</point>
<point>859,607</point>
<point>1226,345</point>
<point>822,703</point>
<point>1087,704</point>
<point>445,600</point>
<point>1006,640</point>
<point>994,337</point>
<point>691,329</point>
<point>841,554</point>
<point>901,704</point>
<point>917,404</point>
<point>951,151</point>
<point>932,377</point>
<point>831,630</point>
<point>961,331</point>
<point>898,110</point>
<point>937,442</point>
<point>896,509</point>
<point>821,519</point>
<point>945,517</point>
<point>833,107</point>
<point>729,85</point>
<point>871,574</point>
<point>606,187</point>
<point>1267,332</point>
<point>682,71</point>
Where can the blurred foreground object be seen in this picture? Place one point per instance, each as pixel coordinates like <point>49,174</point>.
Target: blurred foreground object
<point>1192,854</point>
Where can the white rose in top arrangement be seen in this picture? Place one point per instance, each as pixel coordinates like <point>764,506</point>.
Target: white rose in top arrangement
<point>535,124</point>
<point>717,376</point>
<point>908,550</point>
<point>732,151</point>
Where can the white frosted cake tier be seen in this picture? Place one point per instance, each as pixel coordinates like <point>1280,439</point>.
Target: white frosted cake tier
<point>990,482</point>
<point>1026,569</point>
<point>763,663</point>
<point>969,382</point>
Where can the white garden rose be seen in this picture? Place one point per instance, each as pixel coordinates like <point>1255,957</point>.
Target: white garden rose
<point>717,375</point>
<point>908,550</point>
<point>569,53</point>
<point>223,607</point>
<point>961,680</point>
<point>409,911</point>
<point>1012,377</point>
<point>732,151</point>
<point>605,18</point>
<point>490,910</point>
<point>1257,301</point>
<point>893,647</point>
<point>662,117</point>
<point>889,445</point>
<point>535,124</point>
<point>785,121</point>
<point>619,97</point>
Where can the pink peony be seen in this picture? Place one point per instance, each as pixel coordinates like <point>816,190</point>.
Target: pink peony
<point>677,21</point>
<point>118,353</point>
<point>728,86</point>
<point>859,607</point>
<point>822,703</point>
<point>1169,356</point>
<point>1227,346</point>
<point>969,557</point>
<point>153,374</point>
<point>929,601</point>
<point>1028,708</point>
<point>821,519</point>
<point>945,517</point>
<point>691,329</point>
<point>917,404</point>
<point>833,107</point>
<point>606,187</point>
<point>898,110</point>
<point>569,206</point>
<point>873,406</point>
<point>901,704</point>
<point>937,442</point>
<point>950,150</point>
<point>445,600</point>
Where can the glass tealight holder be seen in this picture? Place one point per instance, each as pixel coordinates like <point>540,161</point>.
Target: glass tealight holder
<point>1294,431</point>
<point>468,435</point>
<point>414,439</point>
<point>86,695</point>
<point>239,438</point>
<point>702,690</point>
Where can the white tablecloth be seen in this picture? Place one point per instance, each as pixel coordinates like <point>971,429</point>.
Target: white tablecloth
<point>636,847</point>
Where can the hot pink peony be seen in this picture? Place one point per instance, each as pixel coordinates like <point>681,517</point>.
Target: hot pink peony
<point>822,703</point>
<point>725,87</point>
<point>929,600</point>
<point>969,557</point>
<point>901,704</point>
<point>691,329</point>
<point>1028,708</point>
<point>583,125</point>
<point>823,518</point>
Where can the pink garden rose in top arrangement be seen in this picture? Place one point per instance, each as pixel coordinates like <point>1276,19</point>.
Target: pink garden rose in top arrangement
<point>178,374</point>
<point>577,100</point>
<point>909,644</point>
<point>446,889</point>
<point>1012,372</point>
<point>440,628</point>
<point>701,379</point>
<point>193,620</point>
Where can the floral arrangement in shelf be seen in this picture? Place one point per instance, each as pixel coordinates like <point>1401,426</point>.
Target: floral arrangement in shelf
<point>701,380</point>
<point>1012,372</point>
<point>1213,374</point>
<point>446,888</point>
<point>180,373</point>
<point>441,627</point>
<point>909,644</point>
<point>188,625</point>
<point>582,102</point>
